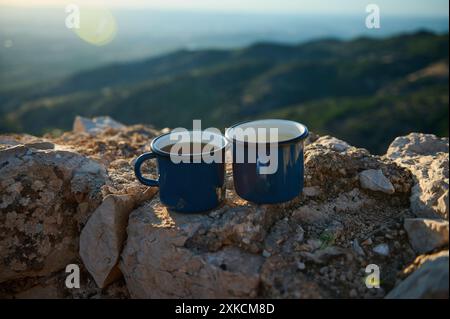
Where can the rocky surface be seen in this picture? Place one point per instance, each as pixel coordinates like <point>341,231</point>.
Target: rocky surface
<point>315,232</point>
<point>45,198</point>
<point>356,210</point>
<point>53,287</point>
<point>102,238</point>
<point>430,280</point>
<point>48,190</point>
<point>155,256</point>
<point>426,156</point>
<point>426,235</point>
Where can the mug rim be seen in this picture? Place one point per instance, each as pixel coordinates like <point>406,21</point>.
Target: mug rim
<point>302,136</point>
<point>158,151</point>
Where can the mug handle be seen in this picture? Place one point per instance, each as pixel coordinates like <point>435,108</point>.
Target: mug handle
<point>137,169</point>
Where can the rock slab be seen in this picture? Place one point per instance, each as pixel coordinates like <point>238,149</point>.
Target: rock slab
<point>101,240</point>
<point>426,235</point>
<point>95,125</point>
<point>45,198</point>
<point>156,262</point>
<point>426,156</point>
<point>375,180</point>
<point>429,281</point>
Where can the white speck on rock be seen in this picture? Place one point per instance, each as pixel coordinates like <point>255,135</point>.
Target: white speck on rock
<point>301,266</point>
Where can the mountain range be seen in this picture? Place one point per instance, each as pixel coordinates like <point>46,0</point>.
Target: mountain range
<point>365,91</point>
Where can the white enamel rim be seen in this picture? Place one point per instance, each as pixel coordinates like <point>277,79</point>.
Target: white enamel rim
<point>298,130</point>
<point>163,140</point>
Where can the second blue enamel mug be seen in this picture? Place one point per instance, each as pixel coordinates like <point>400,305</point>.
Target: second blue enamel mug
<point>253,155</point>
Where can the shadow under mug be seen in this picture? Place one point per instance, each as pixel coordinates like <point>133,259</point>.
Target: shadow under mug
<point>186,187</point>
<point>286,182</point>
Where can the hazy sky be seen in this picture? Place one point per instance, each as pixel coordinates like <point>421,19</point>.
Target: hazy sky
<point>392,7</point>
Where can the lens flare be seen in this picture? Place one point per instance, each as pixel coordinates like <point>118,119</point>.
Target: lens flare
<point>98,25</point>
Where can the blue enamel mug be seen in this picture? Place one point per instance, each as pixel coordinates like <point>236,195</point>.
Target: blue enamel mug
<point>189,181</point>
<point>268,167</point>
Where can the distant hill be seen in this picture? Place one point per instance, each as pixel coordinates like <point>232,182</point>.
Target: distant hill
<point>366,91</point>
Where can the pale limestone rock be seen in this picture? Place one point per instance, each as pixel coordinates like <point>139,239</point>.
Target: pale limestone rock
<point>95,125</point>
<point>156,263</point>
<point>426,235</point>
<point>375,180</point>
<point>426,156</point>
<point>45,197</point>
<point>333,143</point>
<point>101,240</point>
<point>417,144</point>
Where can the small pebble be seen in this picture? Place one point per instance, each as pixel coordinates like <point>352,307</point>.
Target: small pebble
<point>300,234</point>
<point>381,249</point>
<point>357,248</point>
<point>266,254</point>
<point>301,266</point>
<point>353,293</point>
